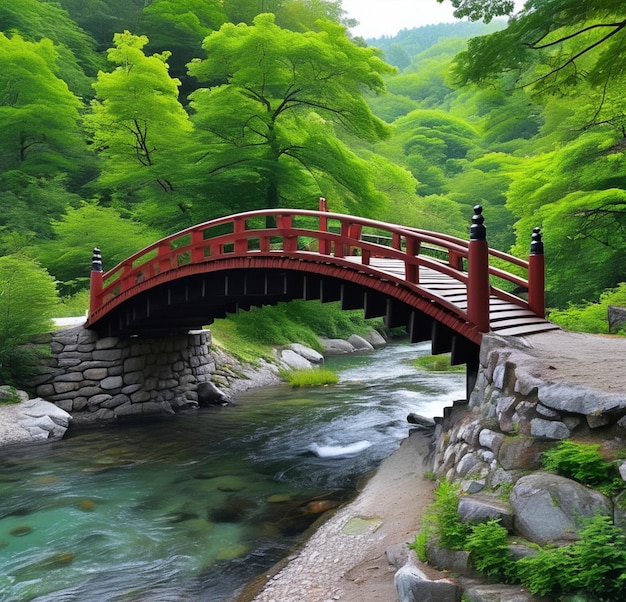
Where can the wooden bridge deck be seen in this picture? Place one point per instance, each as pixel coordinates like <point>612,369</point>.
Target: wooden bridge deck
<point>505,318</point>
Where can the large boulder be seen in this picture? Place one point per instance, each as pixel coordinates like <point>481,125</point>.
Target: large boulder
<point>336,347</point>
<point>42,419</point>
<point>294,361</point>
<point>548,508</point>
<point>307,353</point>
<point>412,585</point>
<point>617,317</point>
<point>375,338</point>
<point>481,508</point>
<point>359,343</point>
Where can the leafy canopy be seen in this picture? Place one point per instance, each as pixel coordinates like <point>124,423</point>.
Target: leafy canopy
<point>276,105</point>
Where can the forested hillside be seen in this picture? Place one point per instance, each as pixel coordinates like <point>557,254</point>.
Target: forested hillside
<point>125,120</point>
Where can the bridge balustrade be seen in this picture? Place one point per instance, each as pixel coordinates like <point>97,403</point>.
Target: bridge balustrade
<point>323,236</point>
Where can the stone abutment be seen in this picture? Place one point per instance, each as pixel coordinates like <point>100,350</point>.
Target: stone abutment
<point>113,377</point>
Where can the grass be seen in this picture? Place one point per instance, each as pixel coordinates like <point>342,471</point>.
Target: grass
<point>436,363</point>
<point>312,377</point>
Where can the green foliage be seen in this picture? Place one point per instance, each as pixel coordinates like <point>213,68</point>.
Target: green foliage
<point>39,133</point>
<point>313,377</point>
<point>596,564</point>
<point>583,462</point>
<point>488,546</point>
<point>436,363</point>
<point>590,317</point>
<point>74,305</point>
<point>442,521</point>
<point>8,395</point>
<point>28,299</point>
<point>419,546</point>
<point>139,128</point>
<point>68,255</point>
<point>269,122</point>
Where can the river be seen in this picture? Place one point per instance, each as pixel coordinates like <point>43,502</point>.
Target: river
<point>192,507</point>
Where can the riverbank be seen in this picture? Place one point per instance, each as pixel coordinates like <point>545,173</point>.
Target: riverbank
<point>345,558</point>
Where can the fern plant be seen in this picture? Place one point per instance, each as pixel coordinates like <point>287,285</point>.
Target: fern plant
<point>583,462</point>
<point>596,564</point>
<point>488,547</point>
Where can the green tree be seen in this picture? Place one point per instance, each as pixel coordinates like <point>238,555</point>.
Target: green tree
<point>34,20</point>
<point>28,298</point>
<point>576,194</point>
<point>434,146</point>
<point>39,132</point>
<point>553,43</point>
<point>276,105</point>
<point>481,9</point>
<point>68,255</point>
<point>140,130</point>
<point>103,18</point>
<point>179,26</point>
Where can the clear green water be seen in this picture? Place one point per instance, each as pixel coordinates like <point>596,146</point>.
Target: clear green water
<point>194,506</point>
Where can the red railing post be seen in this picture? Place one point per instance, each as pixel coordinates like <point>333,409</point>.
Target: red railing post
<point>197,248</point>
<point>411,269</point>
<point>324,243</point>
<point>241,244</point>
<point>478,288</point>
<point>284,224</point>
<point>536,275</point>
<point>95,282</point>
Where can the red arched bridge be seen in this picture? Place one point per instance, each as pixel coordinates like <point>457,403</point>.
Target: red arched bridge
<point>441,288</point>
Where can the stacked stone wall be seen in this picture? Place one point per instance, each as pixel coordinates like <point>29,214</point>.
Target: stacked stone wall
<point>514,414</point>
<point>113,377</point>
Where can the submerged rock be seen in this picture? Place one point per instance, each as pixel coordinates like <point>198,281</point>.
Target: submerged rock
<point>209,394</point>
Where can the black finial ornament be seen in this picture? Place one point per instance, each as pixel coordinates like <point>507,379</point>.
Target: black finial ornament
<point>96,261</point>
<point>536,246</point>
<point>478,231</point>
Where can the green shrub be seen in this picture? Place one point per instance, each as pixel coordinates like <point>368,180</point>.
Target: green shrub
<point>583,462</point>
<point>488,547</point>
<point>312,377</point>
<point>28,300</point>
<point>441,518</point>
<point>591,317</point>
<point>596,564</point>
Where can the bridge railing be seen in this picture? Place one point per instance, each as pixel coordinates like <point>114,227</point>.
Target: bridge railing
<point>317,236</point>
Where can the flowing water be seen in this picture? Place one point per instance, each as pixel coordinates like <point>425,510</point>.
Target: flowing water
<point>192,507</point>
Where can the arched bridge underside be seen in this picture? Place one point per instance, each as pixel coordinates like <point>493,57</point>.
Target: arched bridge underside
<point>437,286</point>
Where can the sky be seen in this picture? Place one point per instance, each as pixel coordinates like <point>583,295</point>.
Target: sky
<point>387,17</point>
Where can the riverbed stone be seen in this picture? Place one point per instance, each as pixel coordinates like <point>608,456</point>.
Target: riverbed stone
<point>209,394</point>
<point>483,592</point>
<point>307,353</point>
<point>336,346</point>
<point>294,361</point>
<point>491,440</point>
<point>548,507</point>
<point>359,343</point>
<point>375,339</point>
